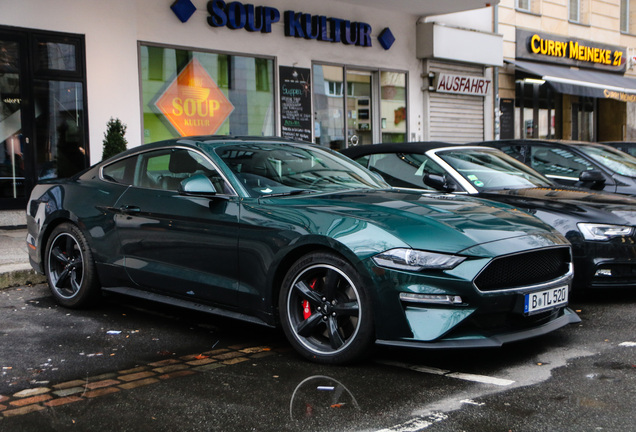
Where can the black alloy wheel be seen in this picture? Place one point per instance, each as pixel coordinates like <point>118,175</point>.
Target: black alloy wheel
<point>325,311</point>
<point>70,268</point>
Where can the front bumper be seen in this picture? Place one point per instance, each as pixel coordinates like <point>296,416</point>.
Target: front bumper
<point>566,316</point>
<point>610,264</point>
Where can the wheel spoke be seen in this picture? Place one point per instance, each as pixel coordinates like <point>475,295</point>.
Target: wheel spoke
<point>70,245</point>
<point>308,294</point>
<point>74,285</point>
<point>334,334</point>
<point>348,309</point>
<point>330,284</point>
<point>59,255</point>
<point>306,327</point>
<point>62,278</point>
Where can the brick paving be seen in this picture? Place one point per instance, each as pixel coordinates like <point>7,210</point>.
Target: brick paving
<point>41,398</point>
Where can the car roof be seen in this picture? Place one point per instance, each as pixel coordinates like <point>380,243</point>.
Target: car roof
<point>412,147</point>
<point>204,139</point>
<point>566,143</point>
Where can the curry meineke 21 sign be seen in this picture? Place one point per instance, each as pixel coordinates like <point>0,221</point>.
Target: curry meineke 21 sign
<point>568,51</point>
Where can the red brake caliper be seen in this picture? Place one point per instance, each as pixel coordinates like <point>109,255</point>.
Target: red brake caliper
<point>306,307</point>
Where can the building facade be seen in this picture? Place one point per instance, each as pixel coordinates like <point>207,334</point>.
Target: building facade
<point>336,73</point>
<point>569,69</point>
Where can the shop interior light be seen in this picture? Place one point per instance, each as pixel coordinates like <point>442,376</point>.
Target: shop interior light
<point>533,81</point>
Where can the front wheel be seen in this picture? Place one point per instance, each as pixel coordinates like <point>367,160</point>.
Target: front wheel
<point>69,267</point>
<point>325,311</point>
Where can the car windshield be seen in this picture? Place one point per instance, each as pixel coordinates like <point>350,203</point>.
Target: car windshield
<point>614,160</point>
<point>275,169</point>
<point>492,170</point>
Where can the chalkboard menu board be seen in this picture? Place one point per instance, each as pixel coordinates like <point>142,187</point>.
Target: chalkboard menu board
<point>507,119</point>
<point>295,103</point>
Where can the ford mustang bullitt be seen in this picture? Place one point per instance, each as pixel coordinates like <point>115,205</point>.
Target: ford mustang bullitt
<point>294,235</point>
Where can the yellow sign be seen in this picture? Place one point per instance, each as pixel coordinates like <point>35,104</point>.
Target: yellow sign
<point>575,51</point>
<point>193,103</point>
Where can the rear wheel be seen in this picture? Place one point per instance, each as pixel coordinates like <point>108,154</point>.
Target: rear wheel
<point>325,311</point>
<point>69,267</point>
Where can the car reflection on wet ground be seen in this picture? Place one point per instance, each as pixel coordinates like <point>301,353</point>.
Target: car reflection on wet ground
<point>133,369</point>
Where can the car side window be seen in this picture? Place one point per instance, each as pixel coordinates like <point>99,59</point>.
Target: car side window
<point>121,171</point>
<point>516,151</point>
<point>363,160</point>
<point>404,169</point>
<point>165,170</point>
<point>558,162</point>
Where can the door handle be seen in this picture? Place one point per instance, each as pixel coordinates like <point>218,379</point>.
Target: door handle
<point>129,209</point>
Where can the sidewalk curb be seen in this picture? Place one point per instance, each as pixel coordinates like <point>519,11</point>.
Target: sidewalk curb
<point>13,275</point>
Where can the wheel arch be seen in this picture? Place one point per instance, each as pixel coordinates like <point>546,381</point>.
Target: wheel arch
<point>316,245</point>
<point>50,227</point>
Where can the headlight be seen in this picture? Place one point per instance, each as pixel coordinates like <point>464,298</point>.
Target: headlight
<point>415,260</point>
<point>592,231</point>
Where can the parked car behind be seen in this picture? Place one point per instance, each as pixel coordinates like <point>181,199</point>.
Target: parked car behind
<point>573,163</point>
<point>628,147</point>
<point>282,233</point>
<point>600,225</point>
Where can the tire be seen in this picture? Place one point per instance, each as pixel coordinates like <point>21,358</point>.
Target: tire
<point>325,311</point>
<point>69,267</point>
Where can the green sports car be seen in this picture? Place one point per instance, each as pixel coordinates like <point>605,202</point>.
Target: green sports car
<point>294,235</point>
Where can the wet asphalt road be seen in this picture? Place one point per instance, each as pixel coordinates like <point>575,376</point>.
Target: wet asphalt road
<point>135,366</point>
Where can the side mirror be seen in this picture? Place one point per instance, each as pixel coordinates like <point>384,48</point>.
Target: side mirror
<point>438,182</point>
<point>197,185</point>
<point>592,179</point>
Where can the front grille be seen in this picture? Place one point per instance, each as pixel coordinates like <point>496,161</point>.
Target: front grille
<point>522,269</point>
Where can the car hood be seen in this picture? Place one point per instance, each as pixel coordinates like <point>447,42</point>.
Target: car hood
<point>584,205</point>
<point>381,220</point>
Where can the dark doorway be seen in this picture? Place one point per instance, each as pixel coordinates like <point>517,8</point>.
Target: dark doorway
<point>43,119</point>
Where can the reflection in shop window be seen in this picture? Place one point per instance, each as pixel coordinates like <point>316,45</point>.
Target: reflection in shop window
<point>393,106</point>
<point>333,88</point>
<point>56,56</point>
<point>329,128</point>
<point>226,95</point>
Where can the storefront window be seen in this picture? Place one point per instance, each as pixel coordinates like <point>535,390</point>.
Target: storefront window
<point>202,93</point>
<point>393,106</point>
<point>536,110</point>
<point>583,119</point>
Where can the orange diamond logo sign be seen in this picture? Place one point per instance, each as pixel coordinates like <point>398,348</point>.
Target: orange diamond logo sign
<point>193,103</point>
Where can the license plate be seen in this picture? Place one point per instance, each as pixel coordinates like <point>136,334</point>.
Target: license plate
<point>544,300</point>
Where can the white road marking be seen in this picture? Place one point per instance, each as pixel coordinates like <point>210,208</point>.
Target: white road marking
<point>627,344</point>
<point>416,424</point>
<point>471,402</point>
<point>457,375</point>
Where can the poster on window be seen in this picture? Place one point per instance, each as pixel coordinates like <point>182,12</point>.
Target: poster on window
<point>295,103</point>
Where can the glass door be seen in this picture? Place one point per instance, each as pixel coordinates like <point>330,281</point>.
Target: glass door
<point>329,125</point>
<point>359,107</point>
<point>355,106</point>
<point>12,149</point>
